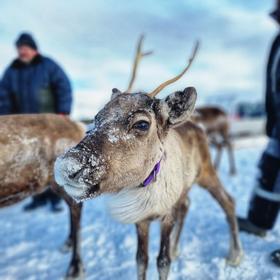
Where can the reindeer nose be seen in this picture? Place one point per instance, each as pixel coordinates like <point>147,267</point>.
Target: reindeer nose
<point>75,174</point>
<point>67,170</point>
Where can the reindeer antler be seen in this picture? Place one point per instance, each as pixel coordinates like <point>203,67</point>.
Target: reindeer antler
<point>138,55</point>
<point>168,82</point>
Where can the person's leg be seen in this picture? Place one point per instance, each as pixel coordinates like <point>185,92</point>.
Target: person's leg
<point>265,200</point>
<point>38,200</point>
<point>55,200</point>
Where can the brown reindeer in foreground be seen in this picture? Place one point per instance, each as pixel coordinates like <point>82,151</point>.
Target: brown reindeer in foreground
<point>147,153</point>
<point>29,145</point>
<point>216,124</point>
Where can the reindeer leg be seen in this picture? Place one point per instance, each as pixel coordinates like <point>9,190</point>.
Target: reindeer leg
<point>142,249</point>
<point>180,214</point>
<point>217,161</point>
<point>227,142</point>
<point>214,186</point>
<point>75,270</point>
<point>228,205</point>
<point>231,157</point>
<point>68,244</point>
<point>164,258</point>
<point>73,212</point>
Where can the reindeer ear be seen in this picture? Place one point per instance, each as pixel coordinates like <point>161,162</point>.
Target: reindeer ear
<point>178,106</point>
<point>115,93</point>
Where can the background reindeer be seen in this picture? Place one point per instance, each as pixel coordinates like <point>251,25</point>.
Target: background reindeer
<point>217,126</point>
<point>29,145</point>
<point>164,155</point>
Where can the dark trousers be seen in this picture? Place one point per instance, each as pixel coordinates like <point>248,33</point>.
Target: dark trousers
<point>265,200</point>
<point>46,196</point>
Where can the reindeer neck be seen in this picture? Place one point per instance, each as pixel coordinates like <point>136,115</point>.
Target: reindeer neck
<point>134,204</point>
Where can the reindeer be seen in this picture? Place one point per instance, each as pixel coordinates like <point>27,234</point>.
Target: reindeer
<point>29,145</point>
<point>147,154</point>
<point>216,124</point>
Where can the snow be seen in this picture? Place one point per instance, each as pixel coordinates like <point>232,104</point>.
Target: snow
<point>30,242</point>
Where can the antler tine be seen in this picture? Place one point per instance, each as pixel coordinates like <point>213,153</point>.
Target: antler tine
<point>138,55</point>
<point>168,82</point>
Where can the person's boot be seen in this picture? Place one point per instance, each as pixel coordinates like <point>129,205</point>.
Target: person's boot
<point>37,201</point>
<point>275,257</point>
<point>247,226</point>
<point>264,203</point>
<point>56,202</point>
<point>56,206</point>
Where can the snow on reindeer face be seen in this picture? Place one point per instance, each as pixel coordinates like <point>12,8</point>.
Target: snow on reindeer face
<point>124,144</point>
<point>119,151</point>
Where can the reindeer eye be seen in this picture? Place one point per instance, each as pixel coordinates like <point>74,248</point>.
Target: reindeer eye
<point>141,125</point>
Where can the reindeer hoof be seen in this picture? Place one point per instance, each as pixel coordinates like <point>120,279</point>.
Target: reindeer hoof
<point>75,272</point>
<point>235,258</point>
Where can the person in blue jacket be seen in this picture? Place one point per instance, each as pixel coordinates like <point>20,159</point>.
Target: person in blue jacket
<point>34,83</point>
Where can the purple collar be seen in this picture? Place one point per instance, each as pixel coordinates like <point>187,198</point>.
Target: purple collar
<point>152,177</point>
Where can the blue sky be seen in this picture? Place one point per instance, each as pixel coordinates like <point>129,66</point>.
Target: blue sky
<point>94,41</point>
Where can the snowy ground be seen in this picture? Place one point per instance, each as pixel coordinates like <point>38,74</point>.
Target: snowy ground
<point>29,242</point>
